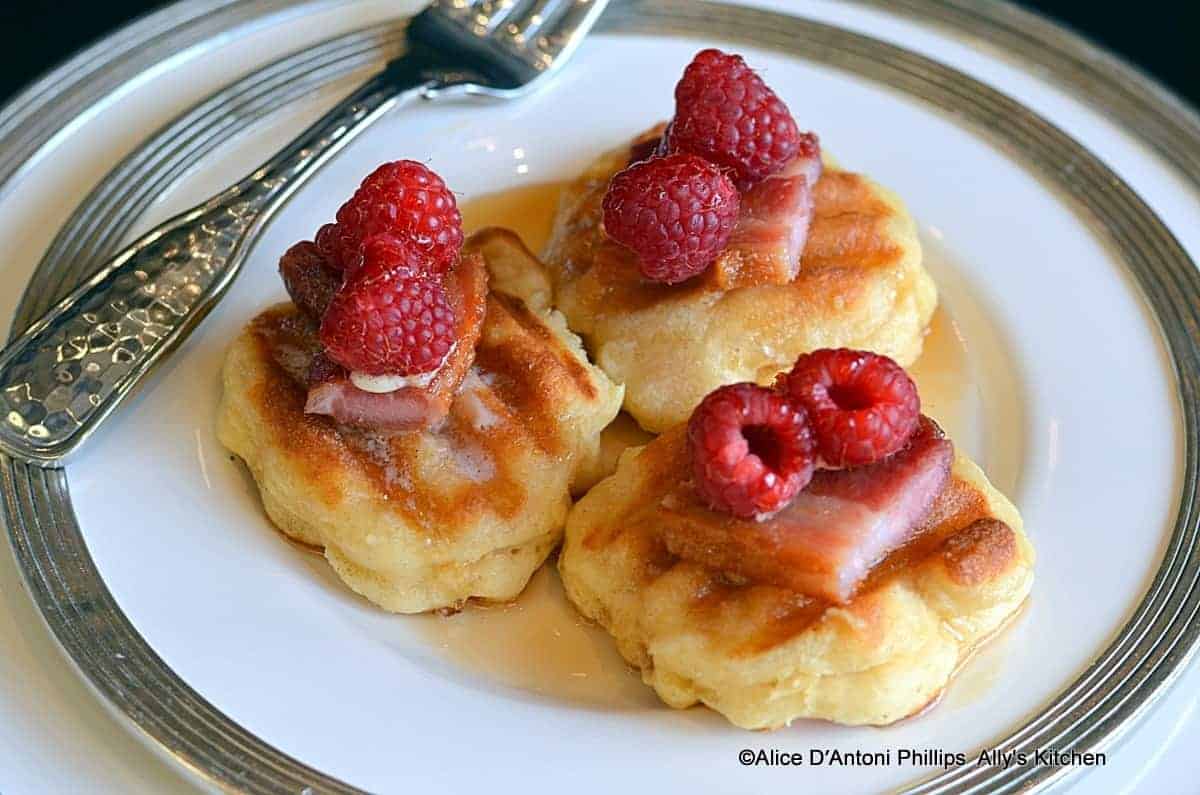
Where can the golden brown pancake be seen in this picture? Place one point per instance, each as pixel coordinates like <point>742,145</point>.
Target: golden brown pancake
<point>860,285</point>
<point>763,655</point>
<point>426,519</point>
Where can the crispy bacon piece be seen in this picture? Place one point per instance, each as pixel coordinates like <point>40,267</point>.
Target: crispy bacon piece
<point>648,144</point>
<point>408,408</point>
<point>309,278</point>
<point>415,407</point>
<point>772,228</point>
<point>834,532</point>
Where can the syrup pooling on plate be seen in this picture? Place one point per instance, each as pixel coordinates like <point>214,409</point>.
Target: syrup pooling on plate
<point>949,390</point>
<point>979,673</point>
<point>539,644</point>
<point>528,210</point>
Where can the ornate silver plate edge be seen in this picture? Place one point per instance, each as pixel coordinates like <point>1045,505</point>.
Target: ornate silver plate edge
<point>1090,714</point>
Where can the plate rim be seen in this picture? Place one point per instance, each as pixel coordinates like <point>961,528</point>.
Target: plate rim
<point>62,579</point>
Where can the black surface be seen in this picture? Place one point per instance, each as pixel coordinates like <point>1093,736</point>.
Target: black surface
<point>1152,34</point>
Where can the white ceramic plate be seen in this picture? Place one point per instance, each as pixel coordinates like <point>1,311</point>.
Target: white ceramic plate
<point>1061,384</point>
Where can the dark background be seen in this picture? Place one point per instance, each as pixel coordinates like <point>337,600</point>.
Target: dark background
<point>1152,33</point>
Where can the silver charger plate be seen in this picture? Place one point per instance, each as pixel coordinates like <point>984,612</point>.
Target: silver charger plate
<point>1089,714</point>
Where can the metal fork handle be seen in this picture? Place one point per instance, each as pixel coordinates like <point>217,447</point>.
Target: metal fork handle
<point>75,364</point>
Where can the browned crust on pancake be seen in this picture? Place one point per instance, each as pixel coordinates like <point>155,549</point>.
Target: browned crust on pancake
<point>572,367</point>
<point>310,439</point>
<point>512,267</point>
<point>979,552</point>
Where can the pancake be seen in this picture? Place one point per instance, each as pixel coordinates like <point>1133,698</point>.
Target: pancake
<point>860,285</point>
<point>426,519</point>
<point>764,655</point>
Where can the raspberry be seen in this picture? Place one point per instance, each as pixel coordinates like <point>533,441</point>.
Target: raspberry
<point>398,325</point>
<point>675,212</point>
<point>808,145</point>
<point>752,450</point>
<point>863,406</point>
<point>384,256</point>
<point>725,113</point>
<point>403,199</point>
<point>310,280</point>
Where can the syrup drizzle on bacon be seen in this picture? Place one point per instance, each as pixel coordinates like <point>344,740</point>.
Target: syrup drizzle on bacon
<point>826,542</point>
<point>767,243</point>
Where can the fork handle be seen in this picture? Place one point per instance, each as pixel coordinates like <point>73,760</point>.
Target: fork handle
<point>76,363</point>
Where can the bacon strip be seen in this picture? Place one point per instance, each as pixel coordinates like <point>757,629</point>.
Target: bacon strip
<point>404,409</point>
<point>827,541</point>
<point>309,278</point>
<point>772,228</point>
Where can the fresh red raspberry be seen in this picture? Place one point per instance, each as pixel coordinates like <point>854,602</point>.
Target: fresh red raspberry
<point>309,278</point>
<point>808,146</point>
<point>403,199</point>
<point>400,325</point>
<point>752,450</point>
<point>675,212</point>
<point>384,257</point>
<point>725,113</point>
<point>863,406</point>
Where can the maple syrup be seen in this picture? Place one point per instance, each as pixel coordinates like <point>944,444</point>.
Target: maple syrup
<point>540,644</point>
<point>528,210</point>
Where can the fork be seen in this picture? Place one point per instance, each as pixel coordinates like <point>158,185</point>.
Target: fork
<point>73,366</point>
